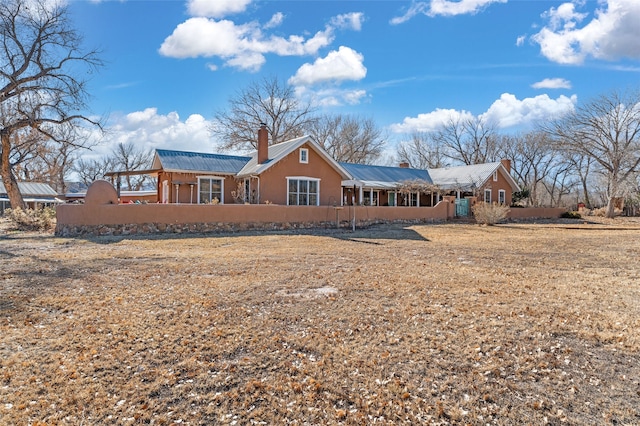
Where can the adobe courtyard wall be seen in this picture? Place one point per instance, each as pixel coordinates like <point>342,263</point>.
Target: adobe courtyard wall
<point>125,219</point>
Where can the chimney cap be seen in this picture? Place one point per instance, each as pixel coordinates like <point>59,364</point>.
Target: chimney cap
<point>263,124</point>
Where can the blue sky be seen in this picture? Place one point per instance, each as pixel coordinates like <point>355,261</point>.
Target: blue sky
<point>409,65</point>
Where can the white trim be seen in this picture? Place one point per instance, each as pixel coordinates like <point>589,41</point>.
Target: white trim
<point>502,194</point>
<point>495,176</point>
<point>485,196</point>
<point>211,177</point>
<point>308,179</point>
<point>304,151</point>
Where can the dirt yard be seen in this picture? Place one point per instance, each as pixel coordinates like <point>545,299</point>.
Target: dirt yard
<point>437,324</point>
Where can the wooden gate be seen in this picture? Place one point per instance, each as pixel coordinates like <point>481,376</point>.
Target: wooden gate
<point>462,207</point>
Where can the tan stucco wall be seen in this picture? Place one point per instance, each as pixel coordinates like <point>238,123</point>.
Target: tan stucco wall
<point>535,212</point>
<point>184,188</point>
<point>113,214</point>
<point>495,187</point>
<point>273,182</point>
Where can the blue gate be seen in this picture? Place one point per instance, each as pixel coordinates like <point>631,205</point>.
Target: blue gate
<point>462,207</point>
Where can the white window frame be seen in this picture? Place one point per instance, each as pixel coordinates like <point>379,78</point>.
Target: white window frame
<point>210,178</point>
<point>368,198</point>
<point>487,196</point>
<point>502,196</point>
<point>495,176</point>
<point>307,179</point>
<point>304,155</point>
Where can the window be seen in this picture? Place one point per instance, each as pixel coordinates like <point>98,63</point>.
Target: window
<point>502,197</point>
<point>304,155</point>
<point>495,176</point>
<point>210,189</point>
<point>303,192</point>
<point>369,200</point>
<point>487,196</point>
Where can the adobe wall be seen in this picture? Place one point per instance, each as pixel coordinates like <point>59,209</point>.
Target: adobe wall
<point>535,213</point>
<point>122,219</point>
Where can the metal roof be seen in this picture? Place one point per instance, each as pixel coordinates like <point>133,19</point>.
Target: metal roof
<point>280,150</point>
<point>468,177</point>
<point>32,189</point>
<point>190,162</point>
<point>383,177</point>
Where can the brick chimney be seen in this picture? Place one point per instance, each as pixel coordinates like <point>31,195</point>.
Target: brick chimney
<point>263,144</point>
<point>404,165</point>
<point>507,164</point>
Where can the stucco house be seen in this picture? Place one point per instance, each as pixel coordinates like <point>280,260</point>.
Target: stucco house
<point>489,182</point>
<point>295,172</point>
<point>300,172</point>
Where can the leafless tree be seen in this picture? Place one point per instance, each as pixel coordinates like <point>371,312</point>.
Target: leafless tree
<point>41,61</point>
<point>607,130</point>
<point>348,139</point>
<point>422,152</point>
<point>468,140</point>
<point>266,101</point>
<point>532,162</point>
<point>127,157</point>
<point>91,170</point>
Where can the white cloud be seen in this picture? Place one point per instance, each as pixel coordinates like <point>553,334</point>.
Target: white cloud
<point>275,20</point>
<point>552,83</point>
<point>351,21</point>
<point>613,33</point>
<point>445,8</point>
<point>429,122</point>
<point>331,96</point>
<point>216,8</point>
<point>149,130</point>
<point>245,45</point>
<point>340,65</point>
<point>520,40</point>
<point>508,111</point>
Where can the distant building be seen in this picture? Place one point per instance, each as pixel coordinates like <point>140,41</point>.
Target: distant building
<point>35,194</point>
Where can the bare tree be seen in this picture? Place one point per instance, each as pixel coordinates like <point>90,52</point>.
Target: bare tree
<point>51,162</point>
<point>41,59</point>
<point>607,130</point>
<point>348,139</point>
<point>92,170</point>
<point>422,152</point>
<point>267,101</point>
<point>532,162</point>
<point>468,140</point>
<point>127,157</point>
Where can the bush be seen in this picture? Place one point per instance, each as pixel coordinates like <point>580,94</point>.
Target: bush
<point>32,220</point>
<point>571,215</point>
<point>490,214</point>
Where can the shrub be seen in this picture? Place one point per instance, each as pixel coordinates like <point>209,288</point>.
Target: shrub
<point>490,214</point>
<point>571,215</point>
<point>32,220</point>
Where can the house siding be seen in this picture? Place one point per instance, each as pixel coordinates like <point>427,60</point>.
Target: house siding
<point>273,181</point>
<point>496,186</point>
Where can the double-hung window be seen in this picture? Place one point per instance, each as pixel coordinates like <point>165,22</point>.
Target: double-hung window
<point>502,197</point>
<point>303,191</point>
<point>209,189</point>
<point>487,196</point>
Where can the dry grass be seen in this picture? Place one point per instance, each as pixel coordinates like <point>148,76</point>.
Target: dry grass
<point>440,324</point>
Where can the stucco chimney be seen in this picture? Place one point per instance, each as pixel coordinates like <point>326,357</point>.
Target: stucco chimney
<point>507,164</point>
<point>404,165</point>
<point>263,144</point>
